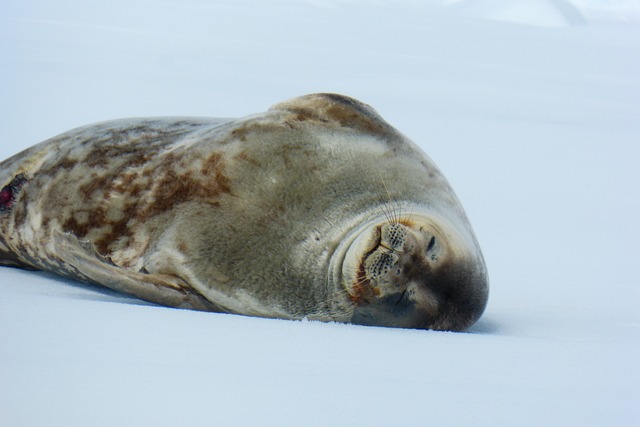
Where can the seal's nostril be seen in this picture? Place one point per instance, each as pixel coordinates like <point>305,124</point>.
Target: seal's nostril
<point>401,297</point>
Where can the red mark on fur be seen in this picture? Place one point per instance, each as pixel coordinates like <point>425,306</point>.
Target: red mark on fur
<point>10,191</point>
<point>6,197</point>
<point>363,292</point>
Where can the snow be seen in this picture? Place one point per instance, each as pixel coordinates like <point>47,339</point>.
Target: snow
<point>549,13</point>
<point>533,117</point>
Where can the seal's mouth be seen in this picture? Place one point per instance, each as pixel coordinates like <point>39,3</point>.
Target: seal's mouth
<point>413,274</point>
<point>384,291</point>
<point>382,268</point>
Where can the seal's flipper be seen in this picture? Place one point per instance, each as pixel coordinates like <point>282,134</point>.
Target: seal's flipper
<point>84,262</point>
<point>9,259</point>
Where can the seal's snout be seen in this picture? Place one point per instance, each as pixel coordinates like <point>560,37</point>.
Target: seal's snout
<point>416,276</point>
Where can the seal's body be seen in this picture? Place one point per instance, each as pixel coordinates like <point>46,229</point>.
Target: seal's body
<point>315,209</point>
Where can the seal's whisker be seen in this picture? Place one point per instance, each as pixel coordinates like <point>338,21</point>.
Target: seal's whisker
<point>391,209</point>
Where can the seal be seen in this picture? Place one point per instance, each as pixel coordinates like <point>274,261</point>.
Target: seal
<point>315,209</point>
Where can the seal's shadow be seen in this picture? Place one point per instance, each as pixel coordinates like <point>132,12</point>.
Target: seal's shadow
<point>484,326</point>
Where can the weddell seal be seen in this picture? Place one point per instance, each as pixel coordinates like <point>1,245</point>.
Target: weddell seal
<point>315,209</point>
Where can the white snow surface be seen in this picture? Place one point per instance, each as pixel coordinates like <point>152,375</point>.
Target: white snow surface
<point>536,126</point>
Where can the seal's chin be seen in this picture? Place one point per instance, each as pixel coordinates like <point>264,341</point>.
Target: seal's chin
<point>417,272</point>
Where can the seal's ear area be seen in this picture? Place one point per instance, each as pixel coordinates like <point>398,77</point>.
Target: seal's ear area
<point>163,289</point>
<point>338,109</point>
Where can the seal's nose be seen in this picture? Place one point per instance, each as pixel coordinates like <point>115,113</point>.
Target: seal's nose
<point>414,280</point>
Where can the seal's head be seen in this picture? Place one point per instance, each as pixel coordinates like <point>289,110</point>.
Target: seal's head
<point>414,272</point>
